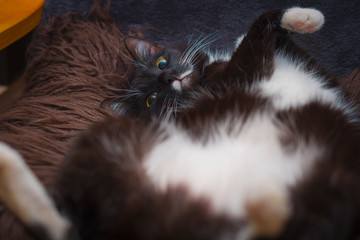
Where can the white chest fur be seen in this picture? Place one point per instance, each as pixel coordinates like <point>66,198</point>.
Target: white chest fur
<point>230,170</point>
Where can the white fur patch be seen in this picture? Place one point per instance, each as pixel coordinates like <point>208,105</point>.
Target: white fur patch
<point>229,169</point>
<point>176,85</point>
<point>291,86</point>
<point>223,55</point>
<point>219,56</point>
<point>239,40</point>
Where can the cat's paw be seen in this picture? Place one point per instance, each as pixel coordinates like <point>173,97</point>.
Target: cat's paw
<point>302,20</point>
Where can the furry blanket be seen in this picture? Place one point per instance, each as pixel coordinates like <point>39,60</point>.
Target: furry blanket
<point>76,62</point>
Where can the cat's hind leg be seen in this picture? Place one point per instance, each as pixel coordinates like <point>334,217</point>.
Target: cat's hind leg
<point>21,192</point>
<point>302,20</point>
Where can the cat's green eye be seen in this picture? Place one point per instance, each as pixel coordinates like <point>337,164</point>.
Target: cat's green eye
<point>161,63</point>
<point>151,99</point>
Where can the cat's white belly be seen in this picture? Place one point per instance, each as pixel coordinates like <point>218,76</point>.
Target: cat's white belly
<point>231,170</point>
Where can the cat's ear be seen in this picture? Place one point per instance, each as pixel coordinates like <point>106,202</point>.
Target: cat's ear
<point>140,49</point>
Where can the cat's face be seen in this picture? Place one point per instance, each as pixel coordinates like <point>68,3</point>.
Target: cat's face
<point>163,78</point>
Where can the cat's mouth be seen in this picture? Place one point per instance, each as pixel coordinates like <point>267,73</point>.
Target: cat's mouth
<point>183,82</point>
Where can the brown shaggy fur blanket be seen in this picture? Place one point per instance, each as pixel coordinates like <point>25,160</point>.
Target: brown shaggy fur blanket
<point>74,63</point>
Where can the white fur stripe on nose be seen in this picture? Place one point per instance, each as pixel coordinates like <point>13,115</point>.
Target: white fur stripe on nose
<point>182,81</point>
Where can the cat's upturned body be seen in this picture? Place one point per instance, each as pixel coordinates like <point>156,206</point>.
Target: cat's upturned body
<point>268,149</point>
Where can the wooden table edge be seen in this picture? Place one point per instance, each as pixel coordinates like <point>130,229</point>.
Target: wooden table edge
<point>20,29</point>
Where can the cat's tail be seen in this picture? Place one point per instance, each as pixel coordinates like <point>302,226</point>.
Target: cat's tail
<point>25,196</point>
<point>302,20</point>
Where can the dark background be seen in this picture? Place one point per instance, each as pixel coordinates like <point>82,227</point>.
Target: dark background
<point>336,45</point>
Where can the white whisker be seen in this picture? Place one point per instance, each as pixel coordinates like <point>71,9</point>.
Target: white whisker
<point>193,50</point>
<point>134,61</point>
<point>163,108</point>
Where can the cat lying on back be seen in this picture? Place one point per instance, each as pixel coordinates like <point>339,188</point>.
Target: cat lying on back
<point>267,150</point>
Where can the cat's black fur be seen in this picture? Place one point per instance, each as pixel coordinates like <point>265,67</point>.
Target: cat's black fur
<point>108,195</point>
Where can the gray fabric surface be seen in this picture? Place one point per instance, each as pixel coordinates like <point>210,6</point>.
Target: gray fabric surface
<point>335,46</point>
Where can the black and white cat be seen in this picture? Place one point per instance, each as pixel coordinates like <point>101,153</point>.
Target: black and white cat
<point>268,149</point>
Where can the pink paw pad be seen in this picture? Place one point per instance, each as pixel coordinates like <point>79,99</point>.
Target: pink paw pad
<point>298,24</point>
<point>302,20</point>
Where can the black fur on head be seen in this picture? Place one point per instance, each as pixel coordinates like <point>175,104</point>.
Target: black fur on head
<point>163,78</point>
